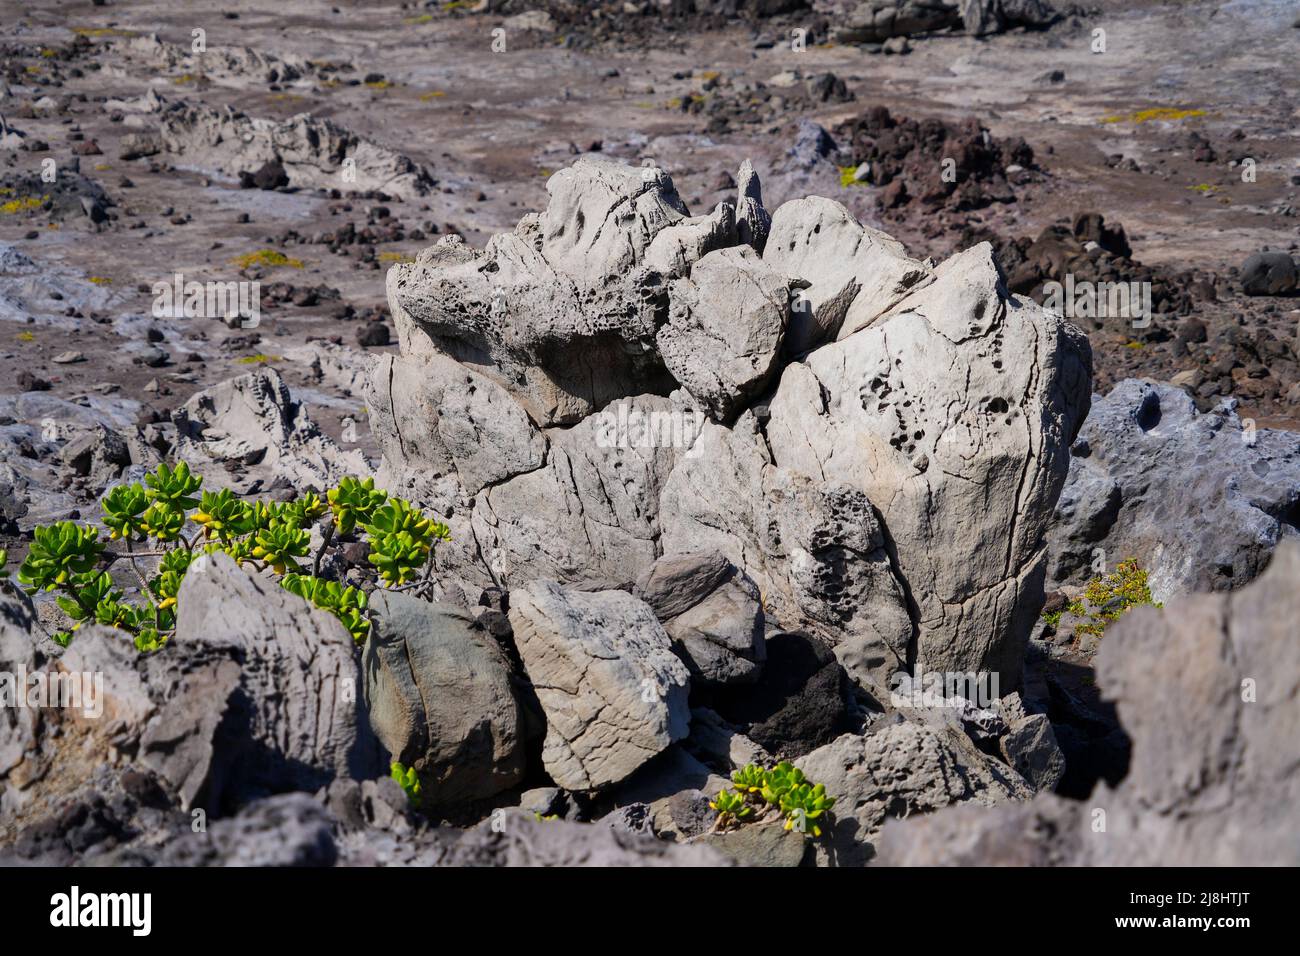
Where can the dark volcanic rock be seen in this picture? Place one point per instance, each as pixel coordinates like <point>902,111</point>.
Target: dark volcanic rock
<point>797,704</point>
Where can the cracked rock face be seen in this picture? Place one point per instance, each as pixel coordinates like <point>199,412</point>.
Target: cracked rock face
<point>604,671</point>
<point>258,693</point>
<point>854,273</point>
<point>733,306</point>
<point>1198,499</point>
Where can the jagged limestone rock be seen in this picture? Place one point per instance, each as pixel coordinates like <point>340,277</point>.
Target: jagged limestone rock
<point>953,415</point>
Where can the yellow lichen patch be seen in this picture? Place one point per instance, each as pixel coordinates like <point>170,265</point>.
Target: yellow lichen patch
<point>101,280</point>
<point>431,95</point>
<point>258,359</point>
<point>26,337</point>
<point>100,167</point>
<point>1202,188</point>
<point>270,258</point>
<point>25,204</point>
<point>676,102</point>
<point>849,176</point>
<point>1165,114</point>
<point>380,85</point>
<point>710,75</point>
<point>49,54</point>
<point>102,32</point>
<point>416,21</point>
<point>395,257</point>
<point>186,78</point>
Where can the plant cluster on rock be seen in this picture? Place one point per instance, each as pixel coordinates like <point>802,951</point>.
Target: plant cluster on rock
<point>162,516</point>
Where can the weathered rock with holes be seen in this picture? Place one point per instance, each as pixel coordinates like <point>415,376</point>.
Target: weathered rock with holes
<point>815,549</point>
<point>942,408</point>
<point>1199,500</point>
<point>952,414</point>
<point>440,698</point>
<point>604,671</point>
<point>713,614</point>
<point>1213,780</point>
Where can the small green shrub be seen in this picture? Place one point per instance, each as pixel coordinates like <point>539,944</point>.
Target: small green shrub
<point>732,807</point>
<point>783,790</point>
<point>1107,597</point>
<point>169,521</point>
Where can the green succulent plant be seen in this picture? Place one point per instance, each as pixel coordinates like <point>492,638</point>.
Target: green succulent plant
<point>353,502</point>
<point>58,553</point>
<point>783,789</point>
<point>780,780</point>
<point>804,805</point>
<point>408,781</point>
<point>732,807</point>
<point>123,507</point>
<point>162,521</point>
<point>749,778</point>
<point>346,603</point>
<point>223,515</point>
<point>173,486</point>
<point>272,536</point>
<point>280,544</point>
<point>304,510</point>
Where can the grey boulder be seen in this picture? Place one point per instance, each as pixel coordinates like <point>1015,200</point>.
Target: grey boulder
<point>1269,273</point>
<point>613,692</point>
<point>1199,500</point>
<point>440,697</point>
<point>712,612</point>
